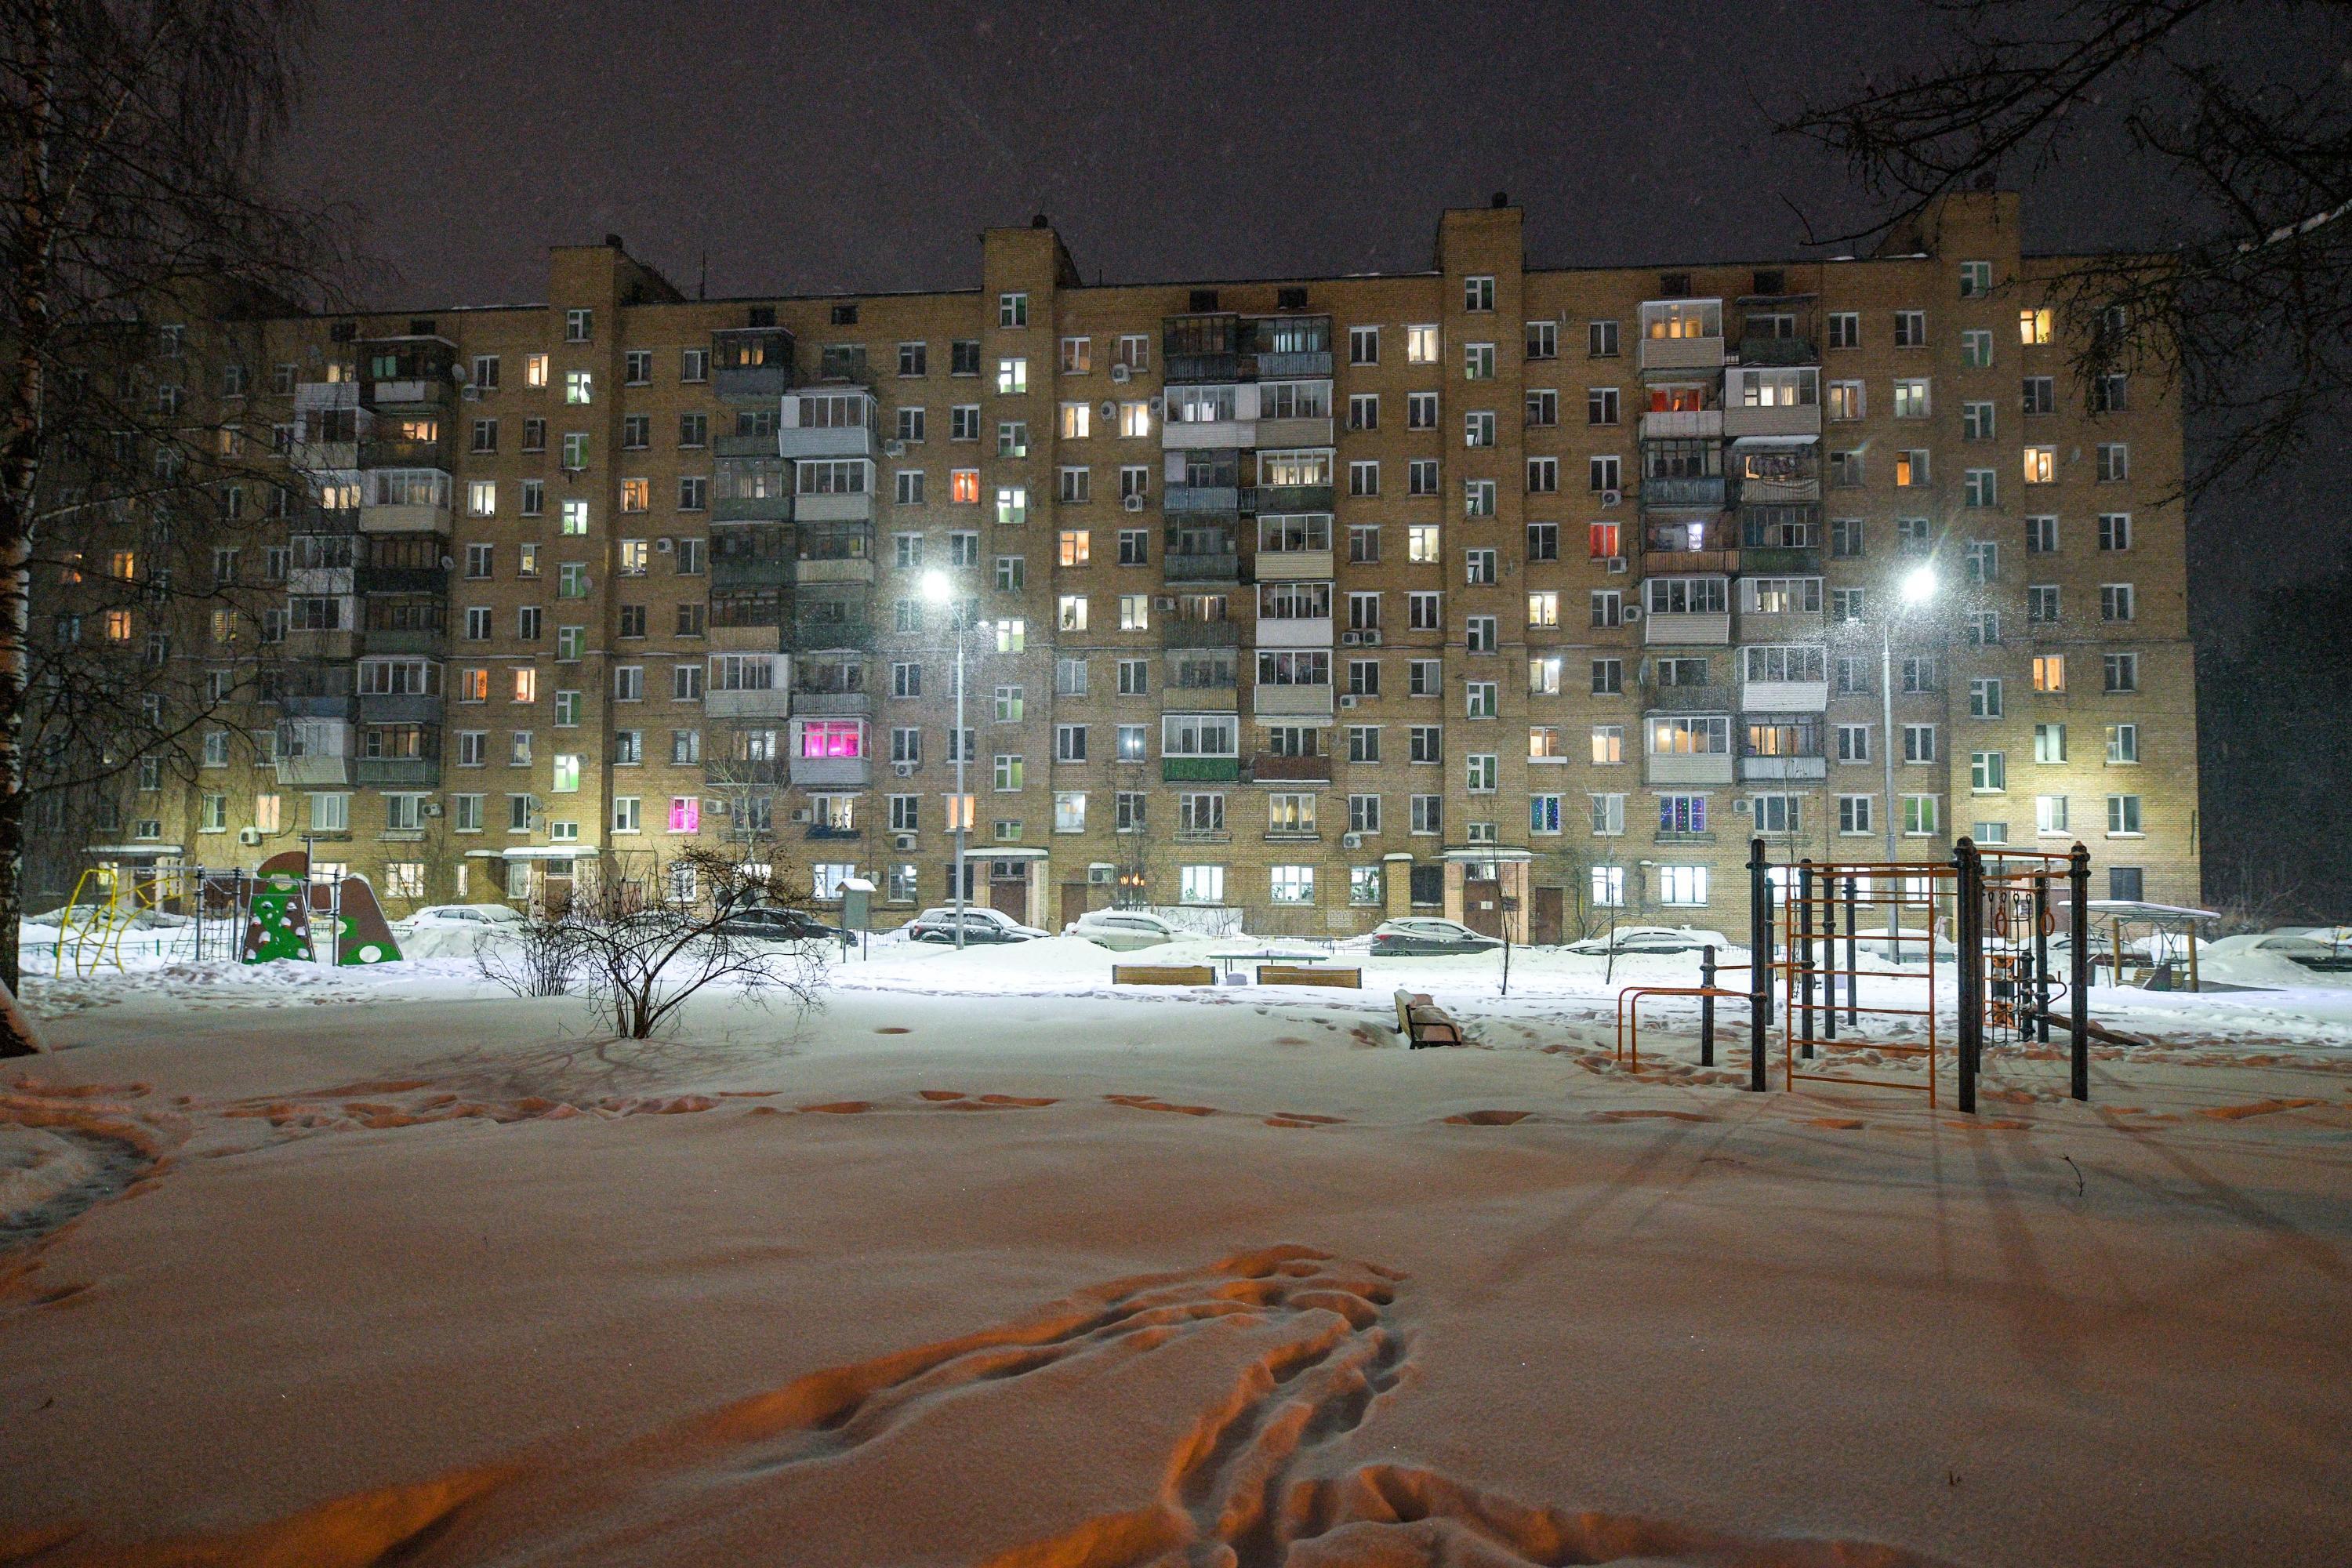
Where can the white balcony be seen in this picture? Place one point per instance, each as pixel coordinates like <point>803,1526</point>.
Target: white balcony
<point>1782,627</point>
<point>1775,770</point>
<point>404,520</point>
<point>411,389</point>
<point>1211,434</point>
<point>829,772</point>
<point>1682,353</point>
<point>1294,565</point>
<point>835,507</point>
<point>1686,423</point>
<point>825,441</point>
<point>1712,629</point>
<point>1712,768</point>
<point>1304,632</point>
<point>1798,419</point>
<point>775,702</point>
<point>1784,696</point>
<point>1291,702</point>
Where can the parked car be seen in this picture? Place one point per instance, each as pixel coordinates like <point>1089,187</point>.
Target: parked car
<point>1123,930</point>
<point>981,924</point>
<point>777,925</point>
<point>1650,941</point>
<point>1421,936</point>
<point>468,917</point>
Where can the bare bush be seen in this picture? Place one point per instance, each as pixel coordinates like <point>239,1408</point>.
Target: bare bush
<point>639,950</point>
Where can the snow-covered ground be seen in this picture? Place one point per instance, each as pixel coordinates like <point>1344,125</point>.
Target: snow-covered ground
<point>987,1261</point>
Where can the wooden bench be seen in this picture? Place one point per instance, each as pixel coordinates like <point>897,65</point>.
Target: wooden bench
<point>1423,1022</point>
<point>1296,974</point>
<point>1162,975</point>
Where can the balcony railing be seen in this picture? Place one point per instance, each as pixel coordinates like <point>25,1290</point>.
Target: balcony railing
<point>1199,770</point>
<point>828,772</point>
<point>1202,633</point>
<point>1684,698</point>
<point>1681,424</point>
<point>1684,490</point>
<point>433,641</point>
<point>400,708</point>
<point>400,580</point>
<point>1772,769</point>
<point>1197,500</point>
<point>1294,366</point>
<point>831,704</point>
<point>1292,498</point>
<point>809,635</point>
<point>396,771</point>
<point>405,454</point>
<point>1181,567</point>
<point>1778,350</point>
<point>751,509</point>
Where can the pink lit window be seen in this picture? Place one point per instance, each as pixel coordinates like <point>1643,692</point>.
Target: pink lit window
<point>685,814</point>
<point>832,738</point>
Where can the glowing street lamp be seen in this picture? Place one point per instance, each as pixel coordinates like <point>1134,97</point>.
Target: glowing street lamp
<point>1917,589</point>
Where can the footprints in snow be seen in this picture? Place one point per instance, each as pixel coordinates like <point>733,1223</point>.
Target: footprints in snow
<point>1226,1392</point>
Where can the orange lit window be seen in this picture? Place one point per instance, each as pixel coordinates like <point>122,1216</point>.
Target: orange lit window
<point>473,686</point>
<point>526,685</point>
<point>118,625</point>
<point>1604,540</point>
<point>963,486</point>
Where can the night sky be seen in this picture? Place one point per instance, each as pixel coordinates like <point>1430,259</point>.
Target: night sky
<point>862,147</point>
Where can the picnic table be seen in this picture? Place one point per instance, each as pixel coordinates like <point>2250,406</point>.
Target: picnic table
<point>1255,955</point>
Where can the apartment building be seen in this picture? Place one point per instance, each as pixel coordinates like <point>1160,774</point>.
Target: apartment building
<point>1526,594</point>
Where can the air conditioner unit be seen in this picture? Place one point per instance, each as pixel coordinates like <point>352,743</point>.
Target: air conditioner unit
<point>1132,503</point>
<point>1371,639</point>
<point>248,836</point>
<point>1743,805</point>
<point>1121,374</point>
<point>1351,841</point>
<point>1616,566</point>
<point>1157,407</point>
<point>716,807</point>
<point>1348,700</point>
<point>433,808</point>
<point>903,770</point>
<point>1351,639</point>
<point>1632,614</point>
<point>470,393</point>
<point>905,841</point>
<point>1110,411</point>
<point>1163,600</point>
<point>664,546</point>
<point>1612,498</point>
<point>893,449</point>
<point>799,814</point>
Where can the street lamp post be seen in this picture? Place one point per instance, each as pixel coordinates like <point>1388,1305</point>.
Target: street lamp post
<point>1917,589</point>
<point>937,589</point>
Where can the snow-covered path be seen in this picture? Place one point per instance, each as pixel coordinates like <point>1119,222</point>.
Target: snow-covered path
<point>1023,1272</point>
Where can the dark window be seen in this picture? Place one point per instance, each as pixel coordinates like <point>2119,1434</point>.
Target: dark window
<point>1290,299</point>
<point>420,327</point>
<point>1674,285</point>
<point>1205,299</point>
<point>2122,883</point>
<point>844,315</point>
<point>1771,281</point>
<point>1429,886</point>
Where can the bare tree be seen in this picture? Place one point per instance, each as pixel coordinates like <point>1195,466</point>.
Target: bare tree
<point>639,948</point>
<point>2242,109</point>
<point>136,134</point>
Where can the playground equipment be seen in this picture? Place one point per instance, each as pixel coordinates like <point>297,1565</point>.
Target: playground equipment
<point>1999,907</point>
<point>256,916</point>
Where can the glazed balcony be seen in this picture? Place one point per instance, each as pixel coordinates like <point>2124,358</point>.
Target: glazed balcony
<point>1702,768</point>
<point>831,704</point>
<point>1682,424</point>
<point>1195,567</point>
<point>761,702</point>
<point>1782,770</point>
<point>1293,566</point>
<point>1683,490</point>
<point>1266,768</point>
<point>829,772</point>
<point>1293,702</point>
<point>1290,498</point>
<point>753,571</point>
<point>750,363</point>
<point>397,773</point>
<point>400,708</point>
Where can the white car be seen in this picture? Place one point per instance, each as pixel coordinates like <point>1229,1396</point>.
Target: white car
<point>463,917</point>
<point>1654,940</point>
<point>1122,930</point>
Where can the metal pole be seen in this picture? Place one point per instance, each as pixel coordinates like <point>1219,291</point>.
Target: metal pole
<point>1759,961</point>
<point>1852,959</point>
<point>2078,989</point>
<point>1829,957</point>
<point>1969,917</point>
<point>1804,935</point>
<point>963,798</point>
<point>2116,941</point>
<point>1886,760</point>
<point>2041,956</point>
<point>1706,1005</point>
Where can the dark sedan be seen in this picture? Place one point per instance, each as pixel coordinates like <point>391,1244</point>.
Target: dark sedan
<point>777,925</point>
